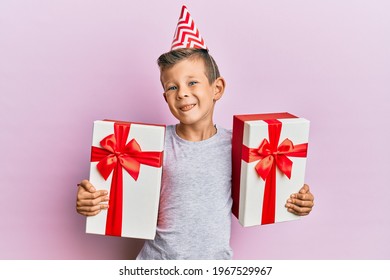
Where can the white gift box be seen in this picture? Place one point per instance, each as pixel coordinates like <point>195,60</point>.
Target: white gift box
<point>260,189</point>
<point>134,208</point>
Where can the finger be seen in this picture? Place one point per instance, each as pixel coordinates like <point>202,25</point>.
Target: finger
<point>305,189</point>
<point>93,210</point>
<point>82,195</point>
<point>85,184</point>
<point>89,213</point>
<point>301,214</point>
<point>299,202</point>
<point>92,202</point>
<point>300,211</point>
<point>305,196</point>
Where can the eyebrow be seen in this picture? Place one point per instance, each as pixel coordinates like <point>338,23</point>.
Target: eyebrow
<point>166,84</point>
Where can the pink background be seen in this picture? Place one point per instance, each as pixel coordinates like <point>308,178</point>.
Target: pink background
<point>64,64</point>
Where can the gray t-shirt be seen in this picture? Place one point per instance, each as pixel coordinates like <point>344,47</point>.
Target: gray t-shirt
<point>195,204</point>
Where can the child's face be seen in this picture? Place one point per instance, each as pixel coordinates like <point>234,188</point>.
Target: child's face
<point>189,95</point>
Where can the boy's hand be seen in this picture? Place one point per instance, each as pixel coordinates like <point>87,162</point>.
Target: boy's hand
<point>89,200</point>
<point>301,203</point>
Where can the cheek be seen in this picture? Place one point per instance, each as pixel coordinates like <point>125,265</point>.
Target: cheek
<point>207,98</point>
<point>172,108</point>
<point>170,102</point>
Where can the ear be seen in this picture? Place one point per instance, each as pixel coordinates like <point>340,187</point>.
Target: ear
<point>219,88</point>
<point>165,97</point>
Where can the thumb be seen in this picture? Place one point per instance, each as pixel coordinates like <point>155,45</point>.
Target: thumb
<point>304,189</point>
<point>86,185</point>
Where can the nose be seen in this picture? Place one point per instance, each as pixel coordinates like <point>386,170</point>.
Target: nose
<point>182,92</point>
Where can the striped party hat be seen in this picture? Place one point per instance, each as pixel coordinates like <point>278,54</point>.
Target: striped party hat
<point>187,34</point>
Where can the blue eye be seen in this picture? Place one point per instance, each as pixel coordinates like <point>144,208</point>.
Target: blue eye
<point>192,83</point>
<point>172,88</point>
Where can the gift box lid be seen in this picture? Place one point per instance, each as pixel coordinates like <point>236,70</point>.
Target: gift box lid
<point>266,116</point>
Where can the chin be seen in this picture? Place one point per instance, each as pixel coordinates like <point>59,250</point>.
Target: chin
<point>188,121</point>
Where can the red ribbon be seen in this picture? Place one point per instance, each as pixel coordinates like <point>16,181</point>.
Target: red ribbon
<point>271,156</point>
<point>114,155</point>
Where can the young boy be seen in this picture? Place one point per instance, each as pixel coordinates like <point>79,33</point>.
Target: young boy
<point>194,220</point>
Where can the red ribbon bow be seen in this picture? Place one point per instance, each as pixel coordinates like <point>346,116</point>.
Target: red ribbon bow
<point>271,156</point>
<point>114,155</point>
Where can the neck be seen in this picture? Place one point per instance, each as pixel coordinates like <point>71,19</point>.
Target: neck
<point>195,133</point>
